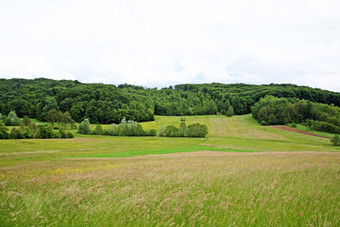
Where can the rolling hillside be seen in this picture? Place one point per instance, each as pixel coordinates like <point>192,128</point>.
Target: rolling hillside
<point>241,174</point>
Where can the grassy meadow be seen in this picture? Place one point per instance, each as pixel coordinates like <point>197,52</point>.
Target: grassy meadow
<point>241,174</point>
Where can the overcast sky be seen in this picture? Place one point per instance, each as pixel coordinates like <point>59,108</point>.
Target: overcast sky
<point>157,43</point>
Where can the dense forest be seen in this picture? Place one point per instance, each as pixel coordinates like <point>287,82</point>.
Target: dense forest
<point>317,116</point>
<point>102,103</point>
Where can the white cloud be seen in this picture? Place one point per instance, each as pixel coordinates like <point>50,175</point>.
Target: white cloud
<point>161,43</point>
<point>30,68</point>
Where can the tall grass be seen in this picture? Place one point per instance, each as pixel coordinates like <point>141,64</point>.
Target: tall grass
<point>66,183</point>
<point>251,189</point>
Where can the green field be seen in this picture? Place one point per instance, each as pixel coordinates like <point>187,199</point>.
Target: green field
<point>241,174</point>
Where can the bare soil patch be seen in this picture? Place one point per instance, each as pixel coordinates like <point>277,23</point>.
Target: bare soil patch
<point>290,129</point>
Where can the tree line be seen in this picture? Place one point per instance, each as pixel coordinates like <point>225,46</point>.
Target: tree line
<point>107,104</point>
<point>132,128</point>
<point>193,130</point>
<point>124,128</point>
<point>28,130</point>
<point>317,116</point>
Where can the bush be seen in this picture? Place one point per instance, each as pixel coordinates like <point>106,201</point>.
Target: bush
<point>193,130</point>
<point>99,130</point>
<point>152,132</point>
<point>29,133</point>
<point>196,130</point>
<point>12,119</point>
<point>171,131</point>
<point>92,132</point>
<point>127,128</point>
<point>84,127</point>
<point>3,131</point>
<point>45,132</point>
<point>70,135</point>
<point>56,135</point>
<point>335,140</point>
<point>161,130</point>
<point>182,129</point>
<point>26,121</point>
<point>230,111</point>
<point>16,134</point>
<point>63,134</point>
<point>323,126</point>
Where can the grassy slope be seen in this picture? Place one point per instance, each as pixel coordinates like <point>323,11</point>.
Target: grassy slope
<point>38,186</point>
<point>238,132</point>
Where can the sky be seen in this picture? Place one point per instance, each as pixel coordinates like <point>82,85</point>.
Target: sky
<point>158,43</point>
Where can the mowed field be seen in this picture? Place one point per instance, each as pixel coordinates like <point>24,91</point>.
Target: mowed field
<point>241,174</point>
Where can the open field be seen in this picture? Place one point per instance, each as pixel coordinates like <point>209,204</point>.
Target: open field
<point>241,174</point>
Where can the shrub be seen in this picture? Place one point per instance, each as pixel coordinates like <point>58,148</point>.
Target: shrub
<point>99,130</point>
<point>127,128</point>
<point>3,131</point>
<point>230,111</point>
<point>161,130</point>
<point>171,131</point>
<point>63,134</point>
<point>56,135</point>
<point>182,129</point>
<point>29,133</point>
<point>84,127</point>
<point>193,130</point>
<point>92,132</point>
<point>323,126</point>
<point>45,132</point>
<point>70,135</point>
<point>16,134</point>
<point>196,130</point>
<point>12,119</point>
<point>335,140</point>
<point>26,121</point>
<point>152,132</point>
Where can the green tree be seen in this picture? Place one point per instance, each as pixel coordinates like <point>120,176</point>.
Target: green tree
<point>84,127</point>
<point>230,111</point>
<point>16,134</point>
<point>66,118</point>
<point>152,132</point>
<point>99,129</point>
<point>171,131</point>
<point>272,111</point>
<point>182,129</point>
<point>63,134</point>
<point>47,104</point>
<point>196,130</point>
<point>26,121</point>
<point>3,131</point>
<point>335,140</point>
<point>52,116</point>
<point>161,130</point>
<point>12,119</point>
<point>45,132</point>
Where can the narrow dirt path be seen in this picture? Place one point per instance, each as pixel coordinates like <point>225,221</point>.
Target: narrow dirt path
<point>290,129</point>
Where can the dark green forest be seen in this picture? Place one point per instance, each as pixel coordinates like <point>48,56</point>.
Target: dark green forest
<point>278,111</point>
<point>103,103</point>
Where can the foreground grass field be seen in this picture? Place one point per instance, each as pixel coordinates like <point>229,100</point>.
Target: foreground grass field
<point>241,174</point>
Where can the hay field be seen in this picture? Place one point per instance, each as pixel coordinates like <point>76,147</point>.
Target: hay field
<point>241,174</point>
